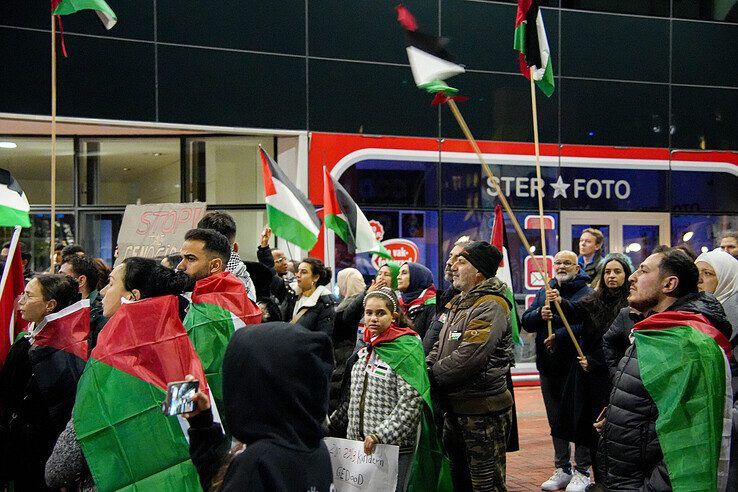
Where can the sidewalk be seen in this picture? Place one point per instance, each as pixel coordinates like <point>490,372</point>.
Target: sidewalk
<point>528,468</point>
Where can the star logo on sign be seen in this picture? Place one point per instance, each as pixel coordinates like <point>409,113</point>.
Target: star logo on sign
<point>559,187</point>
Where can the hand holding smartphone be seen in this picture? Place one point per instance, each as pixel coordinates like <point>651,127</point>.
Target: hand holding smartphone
<point>180,397</point>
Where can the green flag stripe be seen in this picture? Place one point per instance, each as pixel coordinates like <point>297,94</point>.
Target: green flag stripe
<point>684,371</point>
<point>10,217</point>
<point>338,225</point>
<point>290,229</point>
<point>513,316</point>
<point>128,442</point>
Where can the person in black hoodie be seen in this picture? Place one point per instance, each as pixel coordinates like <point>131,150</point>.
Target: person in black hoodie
<point>629,449</point>
<point>276,380</point>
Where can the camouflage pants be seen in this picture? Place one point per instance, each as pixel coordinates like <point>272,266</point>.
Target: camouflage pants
<point>475,445</point>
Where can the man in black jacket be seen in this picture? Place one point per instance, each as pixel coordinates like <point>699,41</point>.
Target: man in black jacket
<point>630,453</point>
<point>554,356</point>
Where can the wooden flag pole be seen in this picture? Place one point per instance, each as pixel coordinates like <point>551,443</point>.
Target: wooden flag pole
<point>506,205</point>
<point>539,184</point>
<point>52,222</point>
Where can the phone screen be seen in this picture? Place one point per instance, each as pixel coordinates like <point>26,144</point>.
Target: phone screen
<point>179,397</point>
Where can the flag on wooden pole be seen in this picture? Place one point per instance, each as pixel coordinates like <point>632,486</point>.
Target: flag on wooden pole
<point>532,45</point>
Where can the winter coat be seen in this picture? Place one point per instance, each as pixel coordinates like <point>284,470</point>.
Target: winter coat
<point>629,452</point>
<point>616,339</point>
<point>317,311</point>
<point>275,394</point>
<point>593,268</point>
<point>443,298</point>
<point>383,405</point>
<point>469,362</point>
<point>349,313</point>
<point>555,364</point>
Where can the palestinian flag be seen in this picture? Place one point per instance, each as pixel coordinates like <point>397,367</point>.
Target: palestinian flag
<point>430,469</point>
<point>127,440</point>
<point>102,9</point>
<point>684,367</point>
<point>430,62</point>
<point>289,213</point>
<point>532,44</point>
<point>345,218</point>
<point>14,206</point>
<point>499,241</point>
<point>58,355</point>
<point>11,322</point>
<point>219,307</point>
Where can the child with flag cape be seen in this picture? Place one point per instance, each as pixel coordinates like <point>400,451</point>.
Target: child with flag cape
<point>390,397</point>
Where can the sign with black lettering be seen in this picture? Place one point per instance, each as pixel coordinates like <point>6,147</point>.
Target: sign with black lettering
<point>355,470</point>
<point>156,229</point>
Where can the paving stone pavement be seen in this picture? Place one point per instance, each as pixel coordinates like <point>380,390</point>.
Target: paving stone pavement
<point>528,468</point>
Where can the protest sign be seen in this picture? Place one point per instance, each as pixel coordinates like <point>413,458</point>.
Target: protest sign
<point>354,470</point>
<point>156,229</point>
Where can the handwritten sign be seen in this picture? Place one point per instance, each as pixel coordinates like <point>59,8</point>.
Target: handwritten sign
<point>156,229</point>
<point>354,470</point>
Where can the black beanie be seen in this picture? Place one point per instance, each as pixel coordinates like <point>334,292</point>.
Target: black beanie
<point>483,256</point>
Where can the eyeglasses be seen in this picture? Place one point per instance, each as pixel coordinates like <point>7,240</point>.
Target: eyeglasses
<point>565,263</point>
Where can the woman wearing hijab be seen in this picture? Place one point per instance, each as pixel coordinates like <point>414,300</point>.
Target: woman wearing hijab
<point>417,295</point>
<point>275,395</point>
<point>588,383</point>
<point>387,275</point>
<point>719,276</point>
<point>390,395</point>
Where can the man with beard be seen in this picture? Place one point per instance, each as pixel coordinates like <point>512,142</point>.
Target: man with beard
<point>664,426</point>
<point>204,252</point>
<point>554,356</point>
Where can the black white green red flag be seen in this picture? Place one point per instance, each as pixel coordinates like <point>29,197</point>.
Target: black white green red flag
<point>14,205</point>
<point>430,62</point>
<point>126,439</point>
<point>532,45</point>
<point>683,362</point>
<point>289,213</point>
<point>499,240</point>
<point>345,218</point>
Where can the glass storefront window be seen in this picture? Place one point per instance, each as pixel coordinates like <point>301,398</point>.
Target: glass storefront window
<point>724,10</point>
<point>227,170</point>
<point>700,232</point>
<point>127,170</point>
<point>36,239</point>
<point>100,234</point>
<point>392,182</point>
<point>30,163</point>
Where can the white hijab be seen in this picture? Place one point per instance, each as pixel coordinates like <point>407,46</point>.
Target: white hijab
<point>726,270</point>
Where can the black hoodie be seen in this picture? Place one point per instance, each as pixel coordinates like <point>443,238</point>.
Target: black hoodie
<point>275,392</point>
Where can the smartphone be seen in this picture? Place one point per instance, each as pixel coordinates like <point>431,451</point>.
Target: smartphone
<point>179,397</point>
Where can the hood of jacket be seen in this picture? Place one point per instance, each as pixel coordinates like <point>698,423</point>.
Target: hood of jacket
<point>580,280</point>
<point>493,286</point>
<point>276,379</point>
<point>707,304</point>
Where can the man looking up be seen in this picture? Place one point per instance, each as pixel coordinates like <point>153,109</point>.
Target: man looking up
<point>590,255</point>
<point>84,271</point>
<point>204,252</point>
<point>224,223</point>
<point>681,343</point>
<point>554,356</point>
<point>468,368</point>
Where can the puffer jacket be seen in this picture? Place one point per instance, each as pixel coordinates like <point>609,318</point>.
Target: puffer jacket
<point>616,339</point>
<point>469,362</point>
<point>629,452</point>
<point>555,364</point>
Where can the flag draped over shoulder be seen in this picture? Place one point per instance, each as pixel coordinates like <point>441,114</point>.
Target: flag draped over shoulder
<point>430,62</point>
<point>499,240</point>
<point>430,469</point>
<point>289,213</point>
<point>219,307</point>
<point>58,355</point>
<point>14,205</point>
<point>532,44</point>
<point>101,8</point>
<point>345,218</point>
<point>126,439</point>
<point>684,367</point>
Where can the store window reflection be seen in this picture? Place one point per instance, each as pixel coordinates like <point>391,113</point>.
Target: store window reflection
<point>36,239</point>
<point>30,163</point>
<point>127,170</point>
<point>700,233</point>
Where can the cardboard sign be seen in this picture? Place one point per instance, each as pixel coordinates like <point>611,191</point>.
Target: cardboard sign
<point>353,470</point>
<point>156,229</point>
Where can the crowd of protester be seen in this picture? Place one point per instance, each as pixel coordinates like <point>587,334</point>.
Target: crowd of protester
<point>393,360</point>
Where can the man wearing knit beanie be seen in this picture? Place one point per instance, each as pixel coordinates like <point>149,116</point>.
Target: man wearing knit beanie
<point>468,367</point>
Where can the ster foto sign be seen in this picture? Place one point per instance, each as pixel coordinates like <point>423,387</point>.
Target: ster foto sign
<point>525,187</point>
